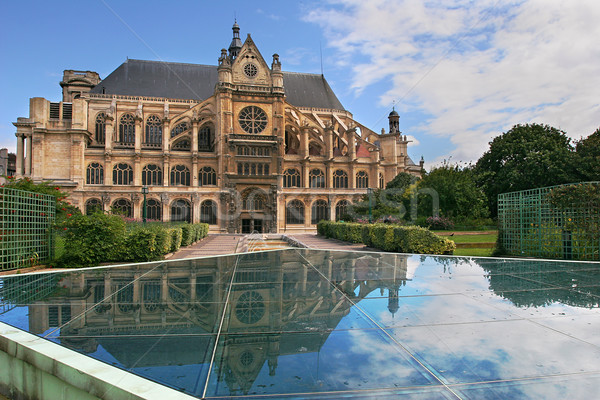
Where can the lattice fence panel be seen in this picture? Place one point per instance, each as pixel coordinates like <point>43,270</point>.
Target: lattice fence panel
<point>533,223</point>
<point>26,219</point>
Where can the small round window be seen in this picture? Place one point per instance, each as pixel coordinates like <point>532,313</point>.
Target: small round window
<point>250,70</point>
<point>253,119</point>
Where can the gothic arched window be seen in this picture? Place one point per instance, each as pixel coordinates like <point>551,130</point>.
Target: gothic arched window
<point>207,177</point>
<point>153,210</point>
<point>362,180</point>
<point>122,174</point>
<point>100,128</point>
<point>294,212</point>
<point>206,138</point>
<point>180,128</point>
<point>381,181</point>
<point>127,129</point>
<point>181,211</point>
<point>180,176</point>
<point>341,209</point>
<point>123,207</point>
<point>152,175</point>
<point>208,212</point>
<point>319,212</point>
<point>340,179</point>
<point>94,174</point>
<point>153,131</point>
<point>92,206</point>
<point>291,178</point>
<point>317,179</point>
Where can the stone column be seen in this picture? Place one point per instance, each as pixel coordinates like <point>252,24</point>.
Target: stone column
<point>20,154</point>
<point>329,142</point>
<point>304,142</point>
<point>138,134</point>
<point>166,170</point>
<point>166,135</point>
<point>28,161</point>
<point>195,123</point>
<point>352,177</point>
<point>137,171</point>
<point>195,171</point>
<point>351,145</point>
<point>107,169</point>
<point>109,133</point>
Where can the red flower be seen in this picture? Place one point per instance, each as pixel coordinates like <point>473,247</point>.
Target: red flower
<point>64,229</point>
<point>56,188</point>
<point>68,215</point>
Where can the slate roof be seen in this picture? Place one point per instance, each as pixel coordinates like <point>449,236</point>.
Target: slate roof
<point>197,82</point>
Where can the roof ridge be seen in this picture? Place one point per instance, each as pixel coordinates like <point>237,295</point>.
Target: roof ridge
<point>170,62</point>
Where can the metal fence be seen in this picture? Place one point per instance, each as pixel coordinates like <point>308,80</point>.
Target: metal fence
<point>26,219</point>
<point>540,223</point>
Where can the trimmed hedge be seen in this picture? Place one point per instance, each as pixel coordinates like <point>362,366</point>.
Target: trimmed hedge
<point>387,237</point>
<point>99,238</point>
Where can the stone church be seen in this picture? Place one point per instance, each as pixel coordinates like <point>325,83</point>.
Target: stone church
<point>243,146</point>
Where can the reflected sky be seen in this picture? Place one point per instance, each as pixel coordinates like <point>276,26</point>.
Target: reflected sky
<point>325,324</point>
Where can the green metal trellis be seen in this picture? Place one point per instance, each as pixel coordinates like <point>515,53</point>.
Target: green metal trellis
<point>26,219</point>
<point>532,226</point>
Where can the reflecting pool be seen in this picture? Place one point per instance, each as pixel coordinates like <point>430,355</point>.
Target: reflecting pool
<point>302,323</point>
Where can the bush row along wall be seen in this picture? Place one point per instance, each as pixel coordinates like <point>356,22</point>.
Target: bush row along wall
<point>397,238</point>
<point>93,239</point>
<point>551,222</point>
<point>25,222</point>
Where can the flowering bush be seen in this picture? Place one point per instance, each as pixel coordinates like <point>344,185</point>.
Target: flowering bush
<point>440,223</point>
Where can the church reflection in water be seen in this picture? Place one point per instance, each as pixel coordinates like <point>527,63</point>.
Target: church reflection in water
<point>241,314</point>
<point>160,315</point>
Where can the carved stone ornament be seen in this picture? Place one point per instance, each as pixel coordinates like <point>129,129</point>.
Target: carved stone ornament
<point>164,198</point>
<point>105,198</point>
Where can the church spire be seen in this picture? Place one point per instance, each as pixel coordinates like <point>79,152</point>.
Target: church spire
<point>236,42</point>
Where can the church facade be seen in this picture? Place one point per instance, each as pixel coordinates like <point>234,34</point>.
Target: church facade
<point>243,146</point>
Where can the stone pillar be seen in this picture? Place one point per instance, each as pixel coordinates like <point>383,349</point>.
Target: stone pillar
<point>304,176</point>
<point>166,170</point>
<point>304,142</point>
<point>195,172</point>
<point>138,134</point>
<point>20,154</point>
<point>351,144</point>
<point>329,142</point>
<point>137,171</point>
<point>166,135</point>
<point>352,177</point>
<point>109,133</point>
<point>107,169</point>
<point>29,156</point>
<point>195,123</point>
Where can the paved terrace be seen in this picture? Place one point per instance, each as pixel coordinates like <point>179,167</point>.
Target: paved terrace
<point>229,244</point>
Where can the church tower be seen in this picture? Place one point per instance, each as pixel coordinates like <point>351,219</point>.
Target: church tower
<point>394,119</point>
<point>236,42</point>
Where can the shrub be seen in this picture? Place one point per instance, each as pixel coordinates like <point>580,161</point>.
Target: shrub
<point>140,245</point>
<point>176,235</point>
<point>387,237</point>
<point>163,240</point>
<point>187,234</point>
<point>91,239</point>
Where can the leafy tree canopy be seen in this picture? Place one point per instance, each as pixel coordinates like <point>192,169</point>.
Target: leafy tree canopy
<point>526,157</point>
<point>458,194</point>
<point>588,157</point>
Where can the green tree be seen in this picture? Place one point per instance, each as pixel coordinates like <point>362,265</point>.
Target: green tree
<point>457,192</point>
<point>587,157</point>
<point>526,157</point>
<point>63,207</point>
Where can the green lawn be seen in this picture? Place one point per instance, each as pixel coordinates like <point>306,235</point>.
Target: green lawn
<point>486,238</point>
<point>473,252</point>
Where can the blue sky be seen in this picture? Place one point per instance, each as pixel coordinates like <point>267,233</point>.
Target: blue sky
<point>459,72</point>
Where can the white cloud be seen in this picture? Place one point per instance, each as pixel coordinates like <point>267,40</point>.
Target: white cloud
<point>476,68</point>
